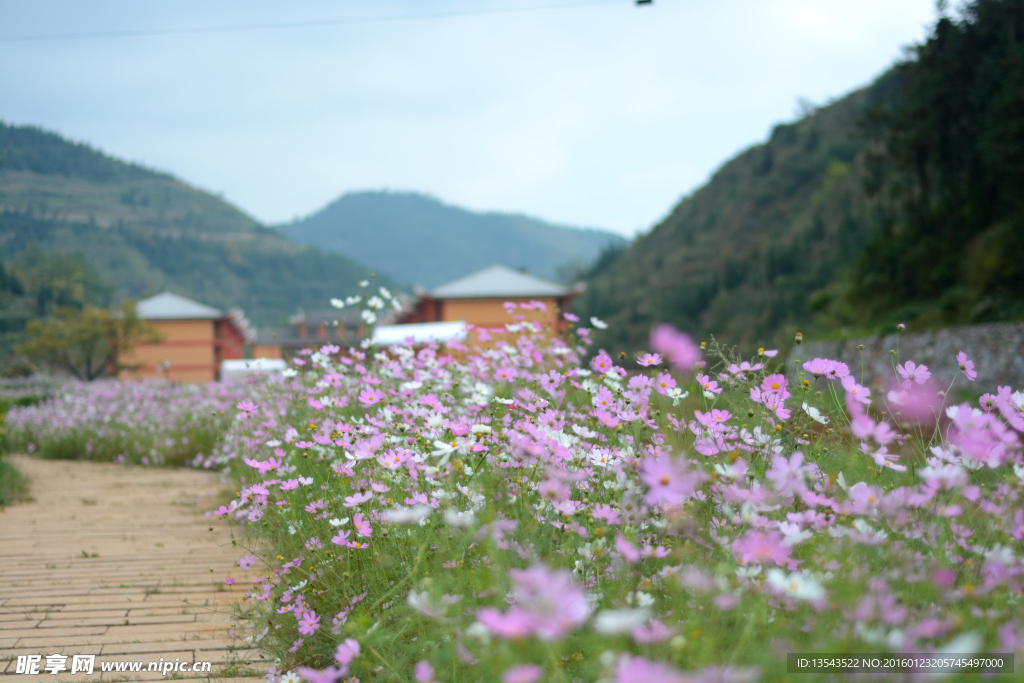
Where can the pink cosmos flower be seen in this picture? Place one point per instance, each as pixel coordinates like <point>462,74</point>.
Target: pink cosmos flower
<point>913,373</point>
<point>966,366</point>
<point>602,363</point>
<point>708,385</point>
<point>341,538</point>
<point>329,675</point>
<point>628,551</point>
<point>424,672</point>
<point>663,383</point>
<point>247,561</point>
<point>604,398</point>
<point>362,526</point>
<point>916,401</point>
<point>309,623</point>
<point>369,397</point>
<point>669,481</point>
<point>548,605</point>
<point>830,369</point>
<point>347,652</point>
<point>522,673</point>
<point>639,670</point>
<point>507,373</point>
<point>761,547</point>
<point>652,632</point>
<point>357,499</point>
<point>246,406</point>
<point>790,476</point>
<point>606,513</point>
<point>987,402</point>
<point>775,384</point>
<point>856,391</point>
<point>649,360</point>
<point>678,348</point>
<point>982,437</point>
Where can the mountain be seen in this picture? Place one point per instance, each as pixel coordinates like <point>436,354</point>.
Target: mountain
<point>749,256</point>
<point>418,240</point>
<point>146,232</point>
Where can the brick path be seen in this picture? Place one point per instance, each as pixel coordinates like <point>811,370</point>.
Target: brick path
<point>115,561</point>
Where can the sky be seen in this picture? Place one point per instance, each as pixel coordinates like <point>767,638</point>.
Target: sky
<point>592,113</point>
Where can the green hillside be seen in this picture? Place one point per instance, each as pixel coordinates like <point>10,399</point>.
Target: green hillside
<point>417,239</point>
<point>741,257</point>
<point>903,201</point>
<point>146,232</point>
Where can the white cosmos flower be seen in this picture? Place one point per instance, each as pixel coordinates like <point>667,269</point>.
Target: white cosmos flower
<point>408,515</point>
<point>815,414</point>
<point>337,303</point>
<point>584,432</point>
<point>599,324</point>
<point>616,621</point>
<point>453,517</point>
<point>796,585</point>
<point>289,372</point>
<point>412,386</point>
<point>375,302</point>
<point>353,300</point>
<point>677,395</point>
<point>369,316</point>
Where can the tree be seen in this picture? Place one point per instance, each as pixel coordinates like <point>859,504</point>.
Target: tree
<point>88,343</point>
<point>56,280</point>
<point>950,157</point>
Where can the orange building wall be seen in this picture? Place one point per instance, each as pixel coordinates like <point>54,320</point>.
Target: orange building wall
<point>492,313</point>
<point>266,351</point>
<point>188,344</point>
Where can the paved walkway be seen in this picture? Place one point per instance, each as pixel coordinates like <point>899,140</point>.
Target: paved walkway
<point>116,562</point>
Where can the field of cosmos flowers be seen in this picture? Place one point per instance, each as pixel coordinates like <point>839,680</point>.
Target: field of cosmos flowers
<point>147,423</point>
<point>511,511</point>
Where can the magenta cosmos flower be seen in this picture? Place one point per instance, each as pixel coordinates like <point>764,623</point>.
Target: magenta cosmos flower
<point>676,347</point>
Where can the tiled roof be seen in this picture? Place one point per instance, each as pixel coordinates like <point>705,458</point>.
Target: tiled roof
<point>496,282</point>
<point>168,306</point>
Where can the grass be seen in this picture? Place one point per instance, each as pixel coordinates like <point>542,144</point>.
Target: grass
<point>13,485</point>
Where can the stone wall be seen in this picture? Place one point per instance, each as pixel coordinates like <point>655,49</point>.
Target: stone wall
<point>997,350</point>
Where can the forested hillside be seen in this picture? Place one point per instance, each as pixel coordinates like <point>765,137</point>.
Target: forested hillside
<point>145,232</point>
<point>417,239</point>
<point>744,255</point>
<point>902,201</point>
